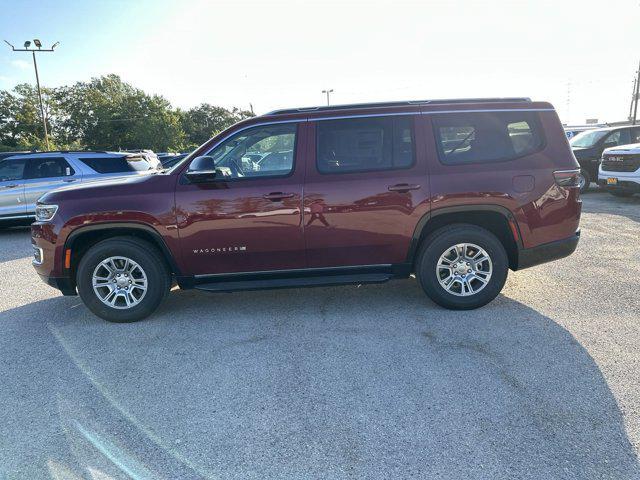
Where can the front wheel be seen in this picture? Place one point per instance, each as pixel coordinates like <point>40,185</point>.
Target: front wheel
<point>123,279</point>
<point>462,267</point>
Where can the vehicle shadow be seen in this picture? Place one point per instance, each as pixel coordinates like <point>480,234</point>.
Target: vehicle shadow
<point>16,243</point>
<point>350,382</point>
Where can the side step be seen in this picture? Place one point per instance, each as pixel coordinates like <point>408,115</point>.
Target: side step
<point>316,281</point>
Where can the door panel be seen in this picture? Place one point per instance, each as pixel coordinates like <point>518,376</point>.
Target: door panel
<point>43,175</point>
<point>11,188</point>
<point>244,224</point>
<point>364,217</point>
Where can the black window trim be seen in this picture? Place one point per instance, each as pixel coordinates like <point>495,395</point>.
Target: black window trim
<point>370,170</point>
<point>440,151</point>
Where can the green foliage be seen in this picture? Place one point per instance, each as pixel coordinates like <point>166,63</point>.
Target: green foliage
<point>107,114</point>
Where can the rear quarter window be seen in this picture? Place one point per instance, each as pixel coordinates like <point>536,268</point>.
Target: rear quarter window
<point>107,164</point>
<point>486,137</point>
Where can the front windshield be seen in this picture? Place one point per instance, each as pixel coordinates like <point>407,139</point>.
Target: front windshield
<point>587,139</point>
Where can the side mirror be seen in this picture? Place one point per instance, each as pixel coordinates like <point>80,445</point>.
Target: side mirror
<point>201,170</point>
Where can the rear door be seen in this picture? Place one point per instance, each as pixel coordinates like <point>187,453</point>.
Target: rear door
<point>12,188</point>
<point>365,191</point>
<point>43,174</point>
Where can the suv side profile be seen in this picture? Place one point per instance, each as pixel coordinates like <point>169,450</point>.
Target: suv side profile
<point>589,145</point>
<point>26,177</point>
<point>456,192</point>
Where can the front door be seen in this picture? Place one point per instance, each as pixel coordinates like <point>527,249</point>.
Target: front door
<point>366,189</point>
<point>12,202</point>
<point>250,217</point>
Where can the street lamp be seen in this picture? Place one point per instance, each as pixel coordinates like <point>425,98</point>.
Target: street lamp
<point>33,51</point>
<point>328,91</point>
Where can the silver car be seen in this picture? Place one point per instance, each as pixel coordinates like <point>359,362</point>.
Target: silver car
<point>25,178</point>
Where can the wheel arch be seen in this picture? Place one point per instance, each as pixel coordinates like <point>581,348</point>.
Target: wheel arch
<point>83,238</point>
<point>495,218</point>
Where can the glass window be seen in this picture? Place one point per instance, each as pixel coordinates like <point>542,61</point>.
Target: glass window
<point>122,164</point>
<point>265,151</point>
<point>486,137</point>
<point>12,170</point>
<point>587,139</point>
<point>635,135</point>
<point>619,137</point>
<point>47,167</point>
<point>364,144</point>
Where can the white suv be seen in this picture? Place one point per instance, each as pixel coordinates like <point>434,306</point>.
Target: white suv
<point>619,170</point>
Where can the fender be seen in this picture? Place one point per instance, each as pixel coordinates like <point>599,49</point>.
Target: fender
<point>158,240</point>
<point>426,218</point>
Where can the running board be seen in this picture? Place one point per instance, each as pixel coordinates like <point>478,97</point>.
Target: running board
<point>316,281</point>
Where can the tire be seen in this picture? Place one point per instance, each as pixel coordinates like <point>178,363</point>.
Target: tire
<point>146,267</point>
<point>584,180</point>
<point>619,192</point>
<point>444,240</point>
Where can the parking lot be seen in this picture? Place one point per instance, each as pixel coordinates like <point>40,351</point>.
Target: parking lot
<point>345,382</point>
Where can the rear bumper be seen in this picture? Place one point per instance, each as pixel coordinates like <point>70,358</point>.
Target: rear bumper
<point>547,252</point>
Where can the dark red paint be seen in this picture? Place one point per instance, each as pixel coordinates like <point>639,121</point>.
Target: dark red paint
<point>309,219</point>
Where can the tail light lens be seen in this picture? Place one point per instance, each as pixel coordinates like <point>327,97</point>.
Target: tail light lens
<point>567,178</point>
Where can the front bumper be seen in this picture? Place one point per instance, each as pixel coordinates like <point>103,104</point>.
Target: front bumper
<point>547,252</point>
<point>65,284</point>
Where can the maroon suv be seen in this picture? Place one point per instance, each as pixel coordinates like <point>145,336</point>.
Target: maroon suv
<point>453,191</point>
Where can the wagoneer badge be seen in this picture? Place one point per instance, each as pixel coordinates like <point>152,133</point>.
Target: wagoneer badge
<point>220,250</point>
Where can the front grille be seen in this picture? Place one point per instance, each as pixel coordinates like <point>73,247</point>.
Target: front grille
<point>621,163</point>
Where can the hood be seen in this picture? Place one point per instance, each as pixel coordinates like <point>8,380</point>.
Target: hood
<point>94,189</point>
<point>631,149</point>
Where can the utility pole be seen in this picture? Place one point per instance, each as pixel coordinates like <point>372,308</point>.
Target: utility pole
<point>328,91</point>
<point>633,98</point>
<point>636,96</point>
<point>33,51</point>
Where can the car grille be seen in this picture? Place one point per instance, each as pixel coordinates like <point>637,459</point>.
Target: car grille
<point>621,163</point>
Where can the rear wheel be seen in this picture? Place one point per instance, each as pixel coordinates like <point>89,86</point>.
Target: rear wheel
<point>123,279</point>
<point>584,180</point>
<point>462,267</point>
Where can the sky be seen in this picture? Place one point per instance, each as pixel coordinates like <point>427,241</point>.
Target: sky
<point>580,55</point>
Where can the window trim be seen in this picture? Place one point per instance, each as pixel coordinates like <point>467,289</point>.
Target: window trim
<point>440,151</point>
<point>370,170</point>
<point>249,127</point>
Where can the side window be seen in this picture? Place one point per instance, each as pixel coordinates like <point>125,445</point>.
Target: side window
<point>265,151</point>
<point>364,144</point>
<point>50,167</point>
<point>620,137</point>
<point>107,164</point>
<point>12,170</point>
<point>486,137</point>
<point>635,136</point>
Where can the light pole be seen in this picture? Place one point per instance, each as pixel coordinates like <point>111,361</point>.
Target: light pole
<point>33,51</point>
<point>328,91</point>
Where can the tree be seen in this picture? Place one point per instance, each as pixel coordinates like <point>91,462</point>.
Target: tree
<point>204,121</point>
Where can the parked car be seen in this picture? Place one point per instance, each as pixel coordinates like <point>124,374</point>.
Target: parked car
<point>588,147</point>
<point>24,178</point>
<point>620,170</point>
<point>455,192</point>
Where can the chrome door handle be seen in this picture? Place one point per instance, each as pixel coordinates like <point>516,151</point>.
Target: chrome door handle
<point>275,196</point>
<point>403,187</point>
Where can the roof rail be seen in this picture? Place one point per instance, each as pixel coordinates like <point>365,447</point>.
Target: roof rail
<point>400,104</point>
<point>40,152</point>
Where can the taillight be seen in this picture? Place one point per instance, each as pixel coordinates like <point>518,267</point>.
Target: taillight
<point>567,178</point>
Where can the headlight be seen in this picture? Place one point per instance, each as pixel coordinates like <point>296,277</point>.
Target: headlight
<point>45,213</point>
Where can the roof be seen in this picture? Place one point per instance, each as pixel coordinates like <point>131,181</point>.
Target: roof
<point>407,103</point>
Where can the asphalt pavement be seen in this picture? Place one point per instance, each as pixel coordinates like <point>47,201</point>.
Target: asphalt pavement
<point>361,382</point>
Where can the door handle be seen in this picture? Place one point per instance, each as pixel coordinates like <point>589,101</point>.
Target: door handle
<point>10,186</point>
<point>69,180</point>
<point>275,196</point>
<point>403,187</point>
